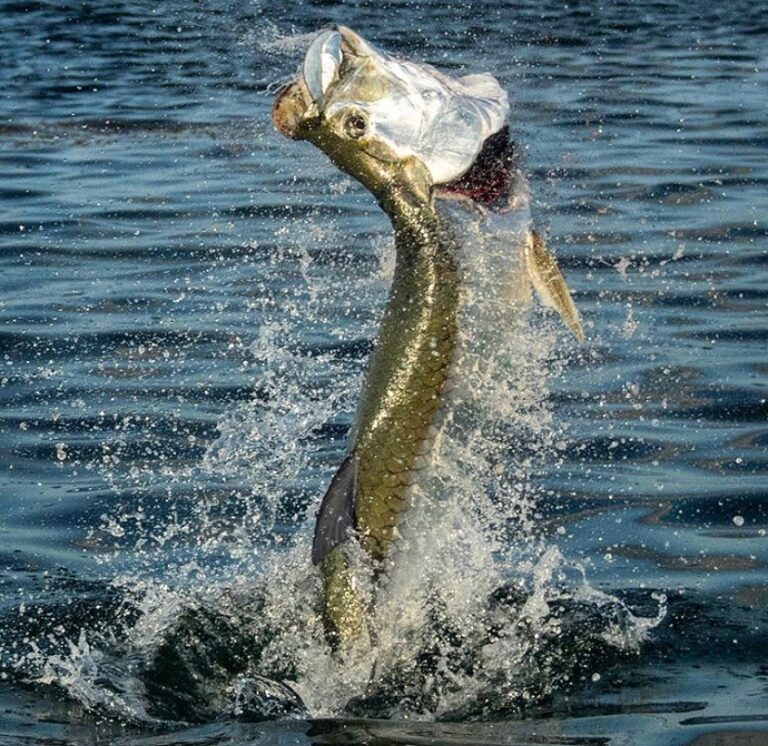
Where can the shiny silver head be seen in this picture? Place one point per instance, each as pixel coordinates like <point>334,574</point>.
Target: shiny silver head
<point>393,108</point>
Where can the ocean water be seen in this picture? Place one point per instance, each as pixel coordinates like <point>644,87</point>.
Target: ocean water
<point>187,302</point>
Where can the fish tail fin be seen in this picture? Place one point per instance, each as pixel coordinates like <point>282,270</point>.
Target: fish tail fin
<point>549,283</point>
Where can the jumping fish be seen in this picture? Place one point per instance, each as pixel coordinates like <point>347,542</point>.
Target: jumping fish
<point>435,151</point>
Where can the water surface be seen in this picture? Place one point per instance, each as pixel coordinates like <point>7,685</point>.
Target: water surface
<point>187,303</point>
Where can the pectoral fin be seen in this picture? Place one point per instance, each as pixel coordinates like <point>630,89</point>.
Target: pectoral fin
<point>549,283</point>
<point>337,511</point>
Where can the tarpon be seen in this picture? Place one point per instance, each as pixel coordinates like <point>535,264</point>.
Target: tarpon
<point>435,152</point>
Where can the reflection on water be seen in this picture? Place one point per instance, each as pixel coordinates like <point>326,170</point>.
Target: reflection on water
<point>187,305</point>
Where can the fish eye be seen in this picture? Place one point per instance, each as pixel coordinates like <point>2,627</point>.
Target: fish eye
<point>354,125</point>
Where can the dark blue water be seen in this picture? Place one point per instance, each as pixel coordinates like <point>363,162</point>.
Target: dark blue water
<point>187,302</point>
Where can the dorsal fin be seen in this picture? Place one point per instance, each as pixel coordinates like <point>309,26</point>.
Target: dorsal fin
<point>549,283</point>
<point>337,511</point>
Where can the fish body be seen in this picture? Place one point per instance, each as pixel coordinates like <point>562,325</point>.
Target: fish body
<point>435,152</point>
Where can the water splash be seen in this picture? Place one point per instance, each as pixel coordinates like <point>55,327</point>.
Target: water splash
<point>480,614</point>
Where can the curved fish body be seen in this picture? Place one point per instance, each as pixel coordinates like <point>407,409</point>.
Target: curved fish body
<point>435,152</point>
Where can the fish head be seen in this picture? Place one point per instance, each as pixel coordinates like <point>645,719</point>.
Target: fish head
<point>388,122</point>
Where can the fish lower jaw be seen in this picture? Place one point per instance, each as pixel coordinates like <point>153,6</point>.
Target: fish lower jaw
<point>292,106</point>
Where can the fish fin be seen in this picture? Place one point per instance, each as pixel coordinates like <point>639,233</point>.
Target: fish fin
<point>549,283</point>
<point>337,511</point>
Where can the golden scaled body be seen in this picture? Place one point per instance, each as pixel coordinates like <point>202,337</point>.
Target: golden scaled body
<point>403,129</point>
